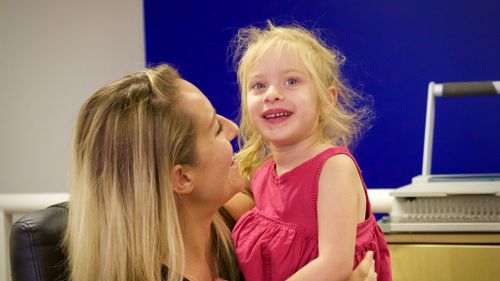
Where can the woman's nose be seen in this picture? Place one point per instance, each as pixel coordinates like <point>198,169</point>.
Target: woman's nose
<point>232,129</point>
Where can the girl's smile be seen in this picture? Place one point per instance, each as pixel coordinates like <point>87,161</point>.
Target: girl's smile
<point>276,115</point>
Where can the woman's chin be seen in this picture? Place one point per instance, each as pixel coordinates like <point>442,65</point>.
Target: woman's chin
<point>235,181</point>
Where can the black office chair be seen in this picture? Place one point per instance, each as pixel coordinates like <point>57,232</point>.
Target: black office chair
<point>36,253</point>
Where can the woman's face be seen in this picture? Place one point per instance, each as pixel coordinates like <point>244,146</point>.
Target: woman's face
<point>216,176</point>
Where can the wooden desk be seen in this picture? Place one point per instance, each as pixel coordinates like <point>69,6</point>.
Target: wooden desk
<point>444,257</point>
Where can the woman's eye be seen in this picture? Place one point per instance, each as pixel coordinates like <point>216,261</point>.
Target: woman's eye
<point>291,81</point>
<point>220,129</point>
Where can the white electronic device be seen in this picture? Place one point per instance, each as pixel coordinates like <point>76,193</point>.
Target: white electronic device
<point>447,203</point>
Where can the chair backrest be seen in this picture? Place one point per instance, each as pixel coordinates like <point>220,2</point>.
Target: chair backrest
<point>36,253</point>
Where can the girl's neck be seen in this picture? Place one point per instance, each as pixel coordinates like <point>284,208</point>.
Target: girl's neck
<point>291,156</point>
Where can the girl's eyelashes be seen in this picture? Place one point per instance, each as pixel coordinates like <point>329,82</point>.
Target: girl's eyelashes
<point>257,85</point>
<point>291,81</point>
<point>220,128</point>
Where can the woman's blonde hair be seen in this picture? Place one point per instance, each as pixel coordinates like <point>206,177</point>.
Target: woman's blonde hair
<point>340,121</point>
<point>123,212</point>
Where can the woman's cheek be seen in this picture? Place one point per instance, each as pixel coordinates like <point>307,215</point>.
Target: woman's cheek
<point>235,181</point>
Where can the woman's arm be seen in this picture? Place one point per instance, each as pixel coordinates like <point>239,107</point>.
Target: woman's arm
<point>239,204</point>
<point>365,271</point>
<point>242,201</point>
<point>338,215</point>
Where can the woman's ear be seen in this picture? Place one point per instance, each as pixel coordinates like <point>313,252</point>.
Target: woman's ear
<point>333,94</point>
<point>182,179</point>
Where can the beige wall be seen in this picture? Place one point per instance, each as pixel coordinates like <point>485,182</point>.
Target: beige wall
<point>53,55</point>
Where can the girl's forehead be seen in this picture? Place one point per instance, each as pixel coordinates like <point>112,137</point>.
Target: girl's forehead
<point>275,48</point>
<point>277,57</point>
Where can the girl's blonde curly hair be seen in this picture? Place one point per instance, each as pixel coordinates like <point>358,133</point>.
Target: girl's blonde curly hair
<point>341,120</point>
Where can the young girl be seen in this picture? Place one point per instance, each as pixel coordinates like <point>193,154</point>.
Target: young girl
<point>312,219</point>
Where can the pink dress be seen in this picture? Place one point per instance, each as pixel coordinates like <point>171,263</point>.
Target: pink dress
<point>280,235</point>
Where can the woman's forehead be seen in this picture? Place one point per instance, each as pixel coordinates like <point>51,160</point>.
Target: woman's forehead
<point>195,102</point>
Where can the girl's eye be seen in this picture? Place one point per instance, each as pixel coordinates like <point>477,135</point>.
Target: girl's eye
<point>258,85</point>
<point>291,81</point>
<point>220,129</point>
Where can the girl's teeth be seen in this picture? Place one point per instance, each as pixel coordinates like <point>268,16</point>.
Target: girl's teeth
<point>277,115</point>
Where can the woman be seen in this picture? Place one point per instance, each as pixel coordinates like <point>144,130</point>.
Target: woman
<point>152,165</point>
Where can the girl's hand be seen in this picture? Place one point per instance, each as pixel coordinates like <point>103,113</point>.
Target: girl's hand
<point>365,271</point>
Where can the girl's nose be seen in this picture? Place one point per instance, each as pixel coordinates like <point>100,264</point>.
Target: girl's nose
<point>273,94</point>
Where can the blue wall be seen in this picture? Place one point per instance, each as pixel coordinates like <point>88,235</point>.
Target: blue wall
<point>394,48</point>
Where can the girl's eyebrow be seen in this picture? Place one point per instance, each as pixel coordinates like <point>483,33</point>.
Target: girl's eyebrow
<point>256,76</point>
<point>286,71</point>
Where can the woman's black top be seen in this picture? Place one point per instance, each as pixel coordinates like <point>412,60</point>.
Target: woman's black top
<point>164,273</point>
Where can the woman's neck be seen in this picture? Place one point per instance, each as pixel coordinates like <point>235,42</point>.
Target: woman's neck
<point>291,156</point>
<point>197,233</point>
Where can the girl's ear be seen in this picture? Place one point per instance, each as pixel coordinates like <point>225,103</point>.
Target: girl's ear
<point>182,179</point>
<point>333,94</point>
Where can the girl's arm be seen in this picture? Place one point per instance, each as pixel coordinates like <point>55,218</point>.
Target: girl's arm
<point>339,210</point>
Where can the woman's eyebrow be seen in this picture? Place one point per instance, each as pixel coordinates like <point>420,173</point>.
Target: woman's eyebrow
<point>214,117</point>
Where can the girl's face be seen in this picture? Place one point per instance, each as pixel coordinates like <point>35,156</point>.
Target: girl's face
<point>216,176</point>
<point>281,98</point>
